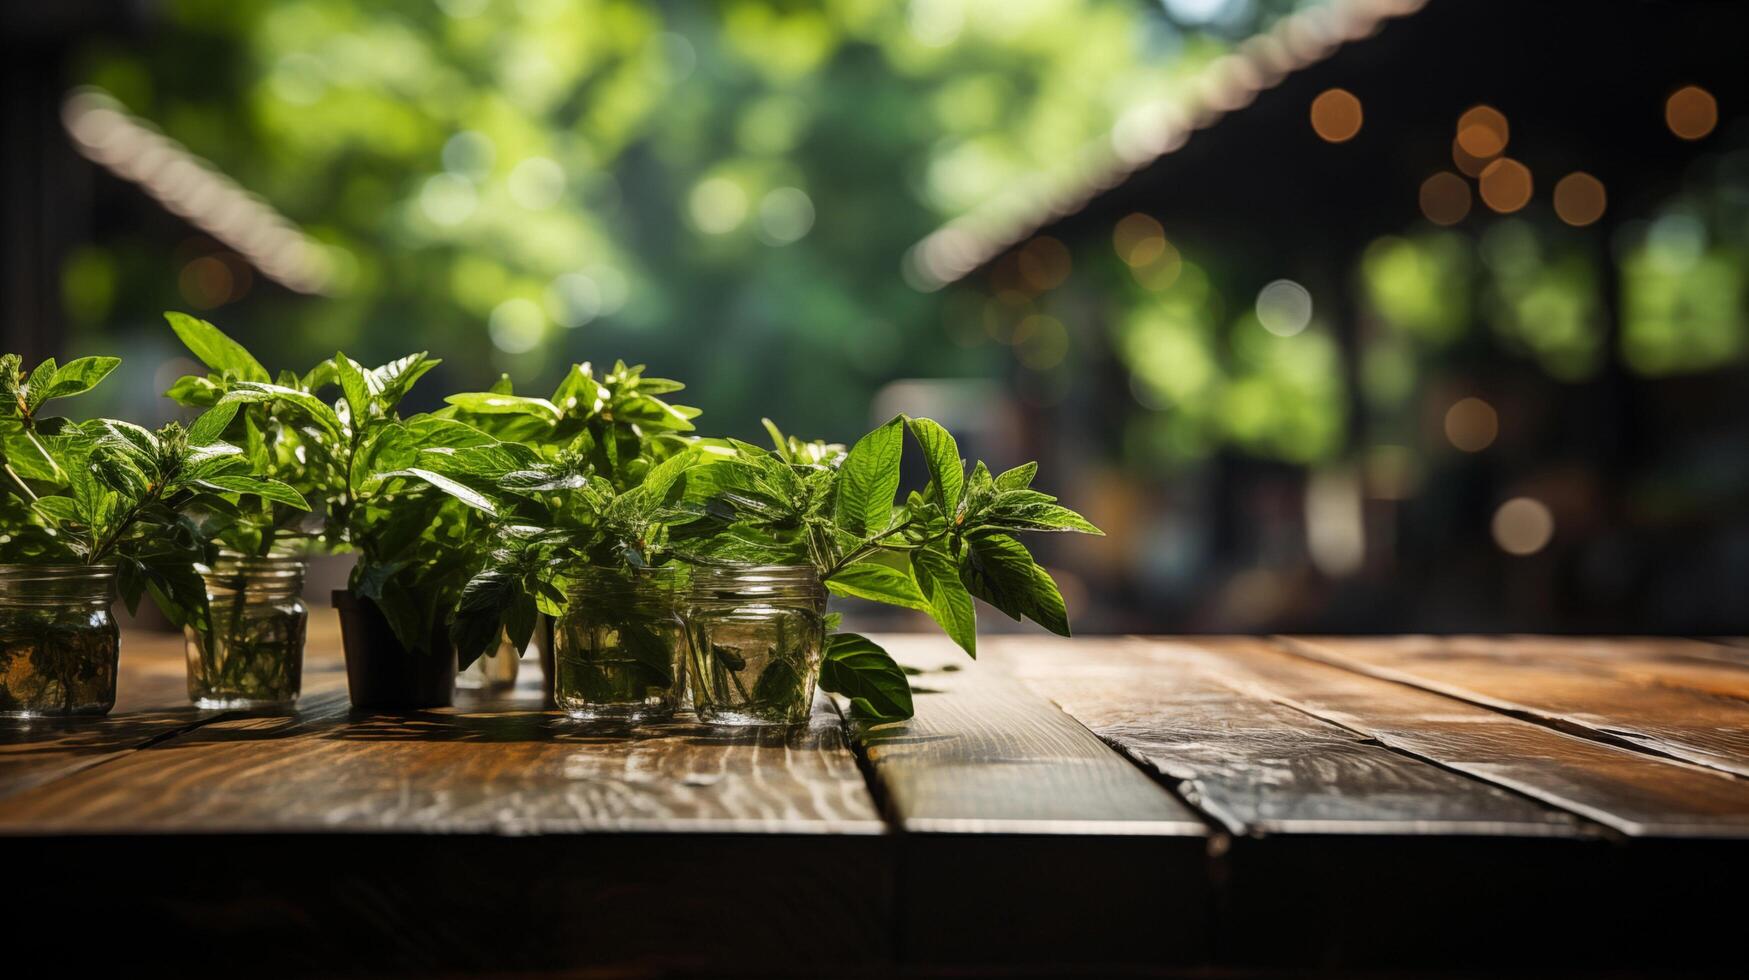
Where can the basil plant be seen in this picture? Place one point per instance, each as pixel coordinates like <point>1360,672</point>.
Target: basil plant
<point>111,492</point>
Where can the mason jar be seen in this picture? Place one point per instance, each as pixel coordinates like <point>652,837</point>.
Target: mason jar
<point>252,654</point>
<point>618,650</point>
<point>756,637</point>
<point>58,642</point>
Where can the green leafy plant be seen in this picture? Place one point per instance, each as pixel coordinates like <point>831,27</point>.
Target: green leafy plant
<point>419,535</point>
<point>581,478</point>
<point>108,491</point>
<point>619,423</point>
<point>948,543</point>
<point>554,516</point>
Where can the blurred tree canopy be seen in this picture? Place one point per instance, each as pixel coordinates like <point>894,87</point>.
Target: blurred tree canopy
<point>515,184</point>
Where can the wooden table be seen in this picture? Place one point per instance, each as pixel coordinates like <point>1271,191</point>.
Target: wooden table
<point>1142,805</point>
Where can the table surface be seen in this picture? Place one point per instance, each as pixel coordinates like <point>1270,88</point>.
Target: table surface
<point>1157,802</point>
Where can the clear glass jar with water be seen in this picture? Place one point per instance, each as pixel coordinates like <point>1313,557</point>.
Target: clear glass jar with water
<point>59,644</point>
<point>252,656</point>
<point>756,638</point>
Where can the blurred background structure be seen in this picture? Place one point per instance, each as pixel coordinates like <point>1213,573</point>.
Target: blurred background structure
<point>1356,315</point>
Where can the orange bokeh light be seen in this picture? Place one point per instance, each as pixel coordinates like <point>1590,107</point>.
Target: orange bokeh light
<point>1445,198</point>
<point>1483,132</point>
<point>1580,199</point>
<point>1336,115</point>
<point>1506,185</point>
<point>1691,112</point>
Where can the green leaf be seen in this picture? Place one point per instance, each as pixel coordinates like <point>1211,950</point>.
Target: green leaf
<point>1036,516</point>
<point>391,382</point>
<point>59,509</point>
<point>217,351</point>
<point>999,570</point>
<point>479,617</point>
<point>460,491</point>
<point>36,387</point>
<point>353,387</point>
<point>116,471</point>
<point>860,670</point>
<point>946,469</point>
<point>868,480</point>
<point>880,583</point>
<point>271,490</point>
<point>78,375</point>
<point>210,424</point>
<point>194,391</point>
<point>313,408</point>
<point>950,605</point>
<point>1018,478</point>
<point>777,437</point>
<point>486,403</point>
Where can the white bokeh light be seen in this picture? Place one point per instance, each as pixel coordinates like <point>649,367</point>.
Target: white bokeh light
<point>517,326</point>
<point>537,183</point>
<point>785,215</point>
<point>1284,307</point>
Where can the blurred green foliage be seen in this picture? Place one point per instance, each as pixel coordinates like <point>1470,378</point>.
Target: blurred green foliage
<point>518,184</point>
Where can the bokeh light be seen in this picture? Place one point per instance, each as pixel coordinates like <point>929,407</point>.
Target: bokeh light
<point>1691,112</point>
<point>1506,185</point>
<point>1044,263</point>
<point>1471,424</point>
<point>517,326</point>
<point>1139,240</point>
<point>1336,115</point>
<point>1284,307</point>
<point>718,205</point>
<point>786,215</point>
<point>1580,199</point>
<point>1523,526</point>
<point>1482,132</point>
<point>1445,198</point>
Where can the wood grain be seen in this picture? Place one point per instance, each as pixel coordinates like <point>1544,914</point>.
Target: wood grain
<point>1252,761</point>
<point>492,836</point>
<point>1654,695</point>
<point>1024,838</point>
<point>486,767</point>
<point>1627,791</point>
<point>1282,746</point>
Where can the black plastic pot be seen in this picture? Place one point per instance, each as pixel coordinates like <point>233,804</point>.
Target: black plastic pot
<point>383,675</point>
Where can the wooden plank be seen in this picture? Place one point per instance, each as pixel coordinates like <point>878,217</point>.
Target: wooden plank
<point>492,836</point>
<point>487,766</point>
<point>1024,838</point>
<point>151,705</point>
<point>1627,791</point>
<point>1255,763</point>
<point>1376,888</point>
<point>1653,695</point>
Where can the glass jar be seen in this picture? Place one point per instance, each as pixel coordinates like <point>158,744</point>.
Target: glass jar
<point>618,650</point>
<point>494,673</point>
<point>58,642</point>
<point>757,633</point>
<point>253,654</point>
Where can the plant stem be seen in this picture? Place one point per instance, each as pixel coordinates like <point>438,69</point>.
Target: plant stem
<point>19,481</point>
